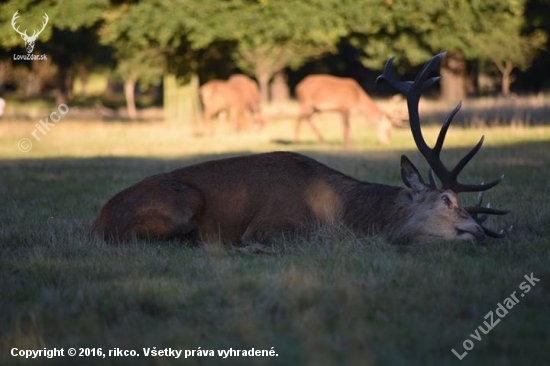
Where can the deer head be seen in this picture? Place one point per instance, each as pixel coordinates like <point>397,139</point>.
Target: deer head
<point>450,186</point>
<point>29,40</point>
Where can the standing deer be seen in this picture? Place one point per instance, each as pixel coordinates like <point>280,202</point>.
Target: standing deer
<point>236,96</point>
<point>250,200</point>
<point>29,40</point>
<point>318,93</point>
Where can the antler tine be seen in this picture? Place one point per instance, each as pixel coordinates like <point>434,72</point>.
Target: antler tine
<point>466,159</point>
<point>402,86</point>
<point>459,187</point>
<point>421,80</point>
<point>494,234</point>
<point>485,210</point>
<point>480,215</point>
<point>443,132</point>
<point>479,199</point>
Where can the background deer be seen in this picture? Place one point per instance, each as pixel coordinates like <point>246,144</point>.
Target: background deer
<point>319,93</point>
<point>250,93</point>
<point>237,96</point>
<point>252,199</point>
<point>29,40</point>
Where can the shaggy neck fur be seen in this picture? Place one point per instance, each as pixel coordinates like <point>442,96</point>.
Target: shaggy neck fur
<point>380,209</point>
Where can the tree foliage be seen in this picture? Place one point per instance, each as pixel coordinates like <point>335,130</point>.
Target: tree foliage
<point>147,38</point>
<point>269,35</point>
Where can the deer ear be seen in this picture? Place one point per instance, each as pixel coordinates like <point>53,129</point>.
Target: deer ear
<point>410,175</point>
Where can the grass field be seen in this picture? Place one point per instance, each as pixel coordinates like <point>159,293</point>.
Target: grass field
<point>338,299</point>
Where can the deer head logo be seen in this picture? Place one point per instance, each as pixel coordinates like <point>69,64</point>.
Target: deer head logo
<point>29,40</point>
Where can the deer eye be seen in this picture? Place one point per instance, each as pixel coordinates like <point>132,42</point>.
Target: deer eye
<point>447,201</point>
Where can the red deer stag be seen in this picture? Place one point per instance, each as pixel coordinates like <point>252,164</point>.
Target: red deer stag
<point>236,96</point>
<point>251,199</point>
<point>318,93</point>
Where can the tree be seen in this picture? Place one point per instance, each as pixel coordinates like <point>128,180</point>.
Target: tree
<point>416,29</point>
<point>507,46</point>
<point>69,38</point>
<point>139,57</point>
<point>268,35</point>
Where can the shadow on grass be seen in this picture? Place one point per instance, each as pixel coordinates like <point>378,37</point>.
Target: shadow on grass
<point>335,300</point>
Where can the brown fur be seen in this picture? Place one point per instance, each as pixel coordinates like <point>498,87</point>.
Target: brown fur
<point>251,199</point>
<point>236,96</point>
<point>330,93</point>
<point>250,93</point>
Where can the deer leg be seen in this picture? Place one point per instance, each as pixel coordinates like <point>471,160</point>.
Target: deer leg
<point>297,128</point>
<point>258,116</point>
<point>164,214</point>
<point>385,128</point>
<point>345,120</point>
<point>207,121</point>
<point>238,117</point>
<point>309,120</point>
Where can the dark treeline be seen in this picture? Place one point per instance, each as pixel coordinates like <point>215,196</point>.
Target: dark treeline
<point>495,46</point>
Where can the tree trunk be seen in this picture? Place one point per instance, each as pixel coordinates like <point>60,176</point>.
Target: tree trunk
<point>62,95</point>
<point>505,69</point>
<point>181,101</point>
<point>129,93</point>
<point>279,87</point>
<point>506,82</point>
<point>83,76</point>
<point>453,70</point>
<point>263,81</point>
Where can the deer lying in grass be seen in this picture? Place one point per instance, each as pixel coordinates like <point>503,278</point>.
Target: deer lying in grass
<point>319,93</point>
<point>236,96</point>
<point>251,199</point>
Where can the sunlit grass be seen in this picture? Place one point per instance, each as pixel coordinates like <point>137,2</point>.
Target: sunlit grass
<point>70,138</point>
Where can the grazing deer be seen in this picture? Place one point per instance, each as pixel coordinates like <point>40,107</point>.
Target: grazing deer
<point>29,40</point>
<point>249,91</point>
<point>236,96</point>
<point>218,96</point>
<point>318,93</point>
<point>251,199</point>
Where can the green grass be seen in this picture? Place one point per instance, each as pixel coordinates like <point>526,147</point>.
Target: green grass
<point>337,299</point>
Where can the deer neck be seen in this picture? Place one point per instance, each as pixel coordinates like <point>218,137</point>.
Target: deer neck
<point>373,208</point>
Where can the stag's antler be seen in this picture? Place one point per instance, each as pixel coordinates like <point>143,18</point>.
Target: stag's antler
<point>412,90</point>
